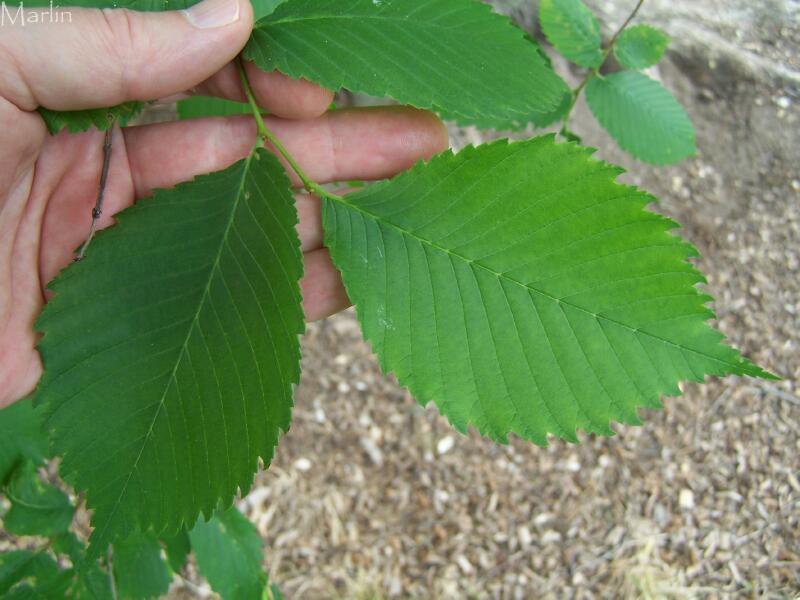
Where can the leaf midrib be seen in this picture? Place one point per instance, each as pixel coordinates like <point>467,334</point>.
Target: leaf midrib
<point>377,219</point>
<point>203,298</point>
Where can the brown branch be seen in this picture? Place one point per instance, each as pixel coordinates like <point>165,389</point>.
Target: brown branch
<point>101,191</point>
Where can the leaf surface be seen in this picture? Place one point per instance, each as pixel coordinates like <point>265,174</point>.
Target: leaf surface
<point>178,334</point>
<point>204,106</point>
<point>177,548</point>
<point>456,57</point>
<point>37,508</point>
<point>139,570</point>
<point>524,291</point>
<point>642,116</point>
<point>573,30</point>
<point>229,554</point>
<point>641,46</point>
<point>21,437</point>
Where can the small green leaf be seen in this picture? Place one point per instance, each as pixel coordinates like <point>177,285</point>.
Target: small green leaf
<point>177,548</point>
<point>187,313</point>
<point>642,116</point>
<point>456,57</point>
<point>139,570</point>
<point>228,552</point>
<point>80,120</point>
<point>204,106</point>
<point>91,582</point>
<point>641,46</point>
<point>523,290</point>
<point>21,437</point>
<point>573,30</point>
<point>37,508</point>
<point>24,570</point>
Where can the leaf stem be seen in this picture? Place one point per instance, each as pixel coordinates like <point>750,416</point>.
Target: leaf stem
<point>596,71</point>
<point>265,134</point>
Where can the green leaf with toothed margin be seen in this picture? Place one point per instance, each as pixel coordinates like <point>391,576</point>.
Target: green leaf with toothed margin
<point>80,120</point>
<point>178,334</point>
<point>573,30</point>
<point>456,57</point>
<point>523,290</point>
<point>642,117</point>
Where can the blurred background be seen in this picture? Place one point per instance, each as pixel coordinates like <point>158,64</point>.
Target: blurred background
<point>372,496</point>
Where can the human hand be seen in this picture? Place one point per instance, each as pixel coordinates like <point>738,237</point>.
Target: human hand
<point>48,184</point>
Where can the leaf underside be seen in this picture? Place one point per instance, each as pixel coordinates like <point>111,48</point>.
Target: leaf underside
<point>641,46</point>
<point>525,291</point>
<point>642,116</point>
<point>171,350</point>
<point>456,57</point>
<point>573,30</point>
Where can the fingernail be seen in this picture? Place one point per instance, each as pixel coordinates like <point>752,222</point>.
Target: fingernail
<point>209,14</point>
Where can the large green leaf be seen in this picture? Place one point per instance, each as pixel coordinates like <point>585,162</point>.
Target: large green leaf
<point>21,437</point>
<point>228,552</point>
<point>523,290</point>
<point>37,508</point>
<point>642,116</point>
<point>573,30</point>
<point>641,46</point>
<point>453,56</point>
<point>139,570</point>
<point>178,335</point>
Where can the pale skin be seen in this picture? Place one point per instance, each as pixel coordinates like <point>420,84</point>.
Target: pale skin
<point>48,184</point>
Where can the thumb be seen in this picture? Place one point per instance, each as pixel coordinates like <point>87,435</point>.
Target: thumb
<point>72,58</point>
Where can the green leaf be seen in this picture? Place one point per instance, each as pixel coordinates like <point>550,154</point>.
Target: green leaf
<point>80,120</point>
<point>37,508</point>
<point>228,552</point>
<point>456,57</point>
<point>178,548</point>
<point>573,30</point>
<point>21,437</point>
<point>276,593</point>
<point>139,570</point>
<point>187,313</point>
<point>523,290</point>
<point>261,8</point>
<point>642,116</point>
<point>641,46</point>
<point>91,582</point>
<point>204,106</point>
<point>21,571</point>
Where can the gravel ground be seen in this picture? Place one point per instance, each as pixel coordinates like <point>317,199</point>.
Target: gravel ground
<point>373,496</point>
